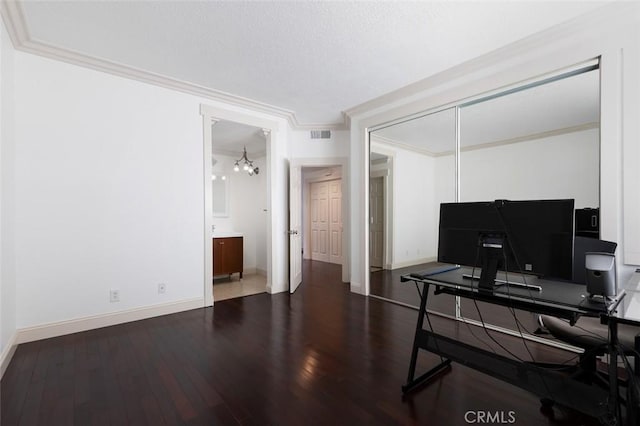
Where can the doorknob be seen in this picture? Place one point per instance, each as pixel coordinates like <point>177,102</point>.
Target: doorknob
<point>293,232</point>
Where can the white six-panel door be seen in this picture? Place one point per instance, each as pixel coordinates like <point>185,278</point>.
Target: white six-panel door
<point>319,210</point>
<point>335,221</point>
<point>325,214</point>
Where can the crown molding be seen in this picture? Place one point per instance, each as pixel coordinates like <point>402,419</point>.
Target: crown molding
<point>526,138</point>
<point>296,125</point>
<point>14,22</point>
<point>395,143</point>
<point>17,28</point>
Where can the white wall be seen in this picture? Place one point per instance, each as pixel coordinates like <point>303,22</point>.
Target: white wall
<point>302,146</point>
<point>109,193</point>
<point>7,197</point>
<point>563,166</point>
<point>247,210</point>
<point>414,224</point>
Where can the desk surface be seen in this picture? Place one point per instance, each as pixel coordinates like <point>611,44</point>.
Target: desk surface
<point>563,294</point>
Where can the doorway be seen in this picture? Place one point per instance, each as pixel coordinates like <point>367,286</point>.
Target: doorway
<point>318,205</point>
<point>239,219</point>
<point>275,246</point>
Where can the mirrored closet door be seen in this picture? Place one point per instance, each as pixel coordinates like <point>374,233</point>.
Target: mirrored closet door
<point>539,140</point>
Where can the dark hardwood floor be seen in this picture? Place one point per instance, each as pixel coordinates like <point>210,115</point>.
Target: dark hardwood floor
<point>321,356</point>
<point>386,284</point>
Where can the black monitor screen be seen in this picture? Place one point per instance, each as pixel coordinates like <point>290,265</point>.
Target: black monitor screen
<point>537,235</point>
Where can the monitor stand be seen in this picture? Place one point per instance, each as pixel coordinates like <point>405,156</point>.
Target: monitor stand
<point>492,255</point>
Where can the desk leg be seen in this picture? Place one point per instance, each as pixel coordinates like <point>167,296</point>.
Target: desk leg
<point>443,366</point>
<point>633,399</point>
<point>613,371</point>
<point>636,355</point>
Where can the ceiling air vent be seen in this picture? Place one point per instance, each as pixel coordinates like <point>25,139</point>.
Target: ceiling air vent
<point>321,134</point>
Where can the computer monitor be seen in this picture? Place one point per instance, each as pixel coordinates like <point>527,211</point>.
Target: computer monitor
<point>525,237</point>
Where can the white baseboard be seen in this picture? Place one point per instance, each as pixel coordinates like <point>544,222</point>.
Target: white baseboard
<point>61,328</point>
<point>357,288</point>
<point>413,262</point>
<point>7,354</point>
<point>254,271</point>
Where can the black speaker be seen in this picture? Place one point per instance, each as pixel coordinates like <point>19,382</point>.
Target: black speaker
<point>601,274</point>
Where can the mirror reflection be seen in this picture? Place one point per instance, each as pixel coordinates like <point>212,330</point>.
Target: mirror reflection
<point>539,143</point>
<point>412,171</point>
<point>534,142</point>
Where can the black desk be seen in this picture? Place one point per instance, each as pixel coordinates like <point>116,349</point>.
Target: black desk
<point>628,312</point>
<point>560,299</point>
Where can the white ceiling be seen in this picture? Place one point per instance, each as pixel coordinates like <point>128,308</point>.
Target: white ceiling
<point>315,59</point>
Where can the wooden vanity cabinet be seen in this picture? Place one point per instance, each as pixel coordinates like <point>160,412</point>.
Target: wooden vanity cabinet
<point>227,256</point>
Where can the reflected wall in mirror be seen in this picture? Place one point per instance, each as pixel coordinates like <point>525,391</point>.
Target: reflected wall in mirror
<point>537,143</point>
<point>412,171</point>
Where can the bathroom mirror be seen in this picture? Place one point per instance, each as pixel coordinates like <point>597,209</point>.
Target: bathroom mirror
<point>220,186</point>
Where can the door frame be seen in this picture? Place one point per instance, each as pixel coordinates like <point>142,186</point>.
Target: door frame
<point>343,163</point>
<point>211,115</point>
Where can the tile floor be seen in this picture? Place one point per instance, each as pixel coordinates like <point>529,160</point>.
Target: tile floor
<point>225,288</point>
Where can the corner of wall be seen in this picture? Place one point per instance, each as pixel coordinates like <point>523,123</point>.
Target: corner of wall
<point>357,288</point>
<point>7,251</point>
<point>7,354</point>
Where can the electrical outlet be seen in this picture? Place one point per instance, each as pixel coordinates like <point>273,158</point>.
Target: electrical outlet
<point>114,295</point>
<point>162,288</point>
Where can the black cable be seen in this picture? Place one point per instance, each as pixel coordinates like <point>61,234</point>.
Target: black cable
<point>484,326</point>
<point>483,341</point>
<point>506,269</point>
<point>473,273</point>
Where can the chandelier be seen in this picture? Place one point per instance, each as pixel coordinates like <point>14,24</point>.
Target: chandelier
<point>247,165</point>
